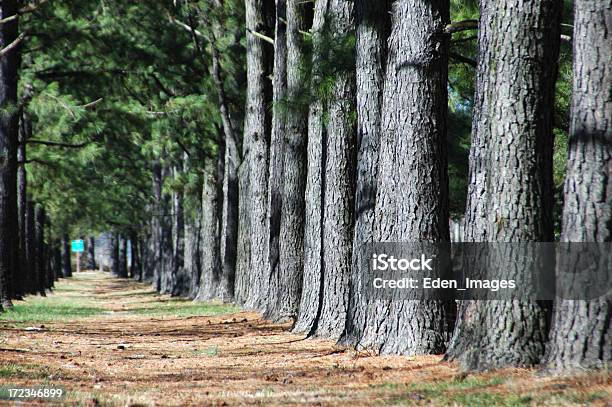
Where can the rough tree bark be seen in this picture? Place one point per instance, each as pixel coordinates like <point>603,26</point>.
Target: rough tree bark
<point>8,153</point>
<point>373,26</point>
<point>331,164</point>
<point>242,281</point>
<point>178,237</point>
<point>31,247</point>
<point>413,160</point>
<point>474,224</point>
<point>91,253</point>
<point>581,337</point>
<point>259,19</point>
<point>285,296</point>
<point>513,203</point>
<point>167,238</point>
<point>25,130</point>
<point>193,251</point>
<point>210,275</point>
<point>41,261</point>
<point>66,264</point>
<point>311,280</point>
<point>339,179</point>
<point>157,226</point>
<point>229,210</point>
<point>277,150</point>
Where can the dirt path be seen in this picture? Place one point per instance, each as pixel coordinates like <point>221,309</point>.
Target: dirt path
<point>139,348</point>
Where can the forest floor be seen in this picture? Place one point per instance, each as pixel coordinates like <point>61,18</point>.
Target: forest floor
<point>115,342</point>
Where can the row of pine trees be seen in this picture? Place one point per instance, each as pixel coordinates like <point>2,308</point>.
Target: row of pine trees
<point>343,140</point>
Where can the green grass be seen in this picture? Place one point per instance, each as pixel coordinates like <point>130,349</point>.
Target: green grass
<point>183,308</point>
<point>65,303</point>
<point>210,351</point>
<point>14,371</point>
<point>474,391</point>
<point>32,312</point>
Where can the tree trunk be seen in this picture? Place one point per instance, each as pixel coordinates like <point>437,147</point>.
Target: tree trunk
<point>330,184</point>
<point>41,261</point>
<point>517,71</point>
<point>167,246</point>
<point>373,27</point>
<point>122,268</point>
<point>91,253</point>
<point>193,252</point>
<point>277,149</point>
<point>49,270</point>
<point>229,220</point>
<point>260,19</point>
<point>114,255</point>
<point>31,247</point>
<point>66,264</point>
<point>156,262</point>
<point>243,258</point>
<point>136,266</point>
<point>8,154</point>
<point>581,337</point>
<point>24,133</point>
<point>178,237</point>
<point>285,295</point>
<point>57,261</point>
<point>210,276</point>
<point>229,209</point>
<point>413,160</point>
<point>311,281</point>
<point>339,178</point>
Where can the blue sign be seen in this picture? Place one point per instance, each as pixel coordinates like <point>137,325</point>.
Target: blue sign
<point>78,246</point>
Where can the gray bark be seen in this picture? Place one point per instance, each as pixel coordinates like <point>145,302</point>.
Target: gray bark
<point>41,261</point>
<point>229,220</point>
<point>66,265</point>
<point>167,246</point>
<point>91,253</point>
<point>373,26</point>
<point>8,154</point>
<point>311,282</point>
<point>286,297</point>
<point>210,276</point>
<point>277,149</point>
<point>156,226</point>
<point>114,254</point>
<point>193,250</point>
<point>331,165</point>
<point>339,179</point>
<point>136,250</point>
<point>413,160</point>
<point>122,267</point>
<point>25,130</point>
<point>513,133</point>
<point>178,237</point>
<point>31,247</point>
<point>581,337</point>
<point>243,261</point>
<point>260,19</point>
<point>229,211</point>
